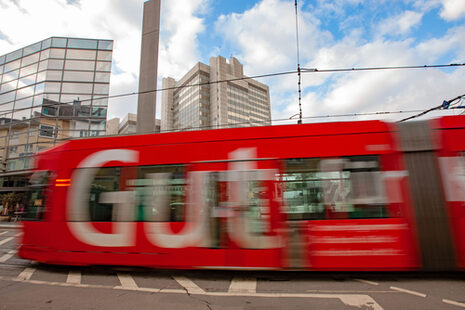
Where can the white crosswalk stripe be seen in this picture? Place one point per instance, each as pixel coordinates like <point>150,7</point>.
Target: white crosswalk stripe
<point>74,277</point>
<point>243,285</point>
<point>188,285</point>
<point>127,281</point>
<point>7,256</point>
<point>26,274</point>
<point>6,240</point>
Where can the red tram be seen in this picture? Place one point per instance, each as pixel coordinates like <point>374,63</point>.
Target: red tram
<point>363,195</point>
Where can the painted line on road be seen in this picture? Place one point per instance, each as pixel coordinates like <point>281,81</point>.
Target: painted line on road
<point>6,240</point>
<point>243,285</point>
<point>350,291</point>
<point>7,256</point>
<point>455,303</point>
<point>127,281</point>
<point>2,233</point>
<point>190,286</point>
<point>26,274</point>
<point>74,277</point>
<point>354,300</point>
<point>366,282</point>
<point>19,234</point>
<point>407,291</point>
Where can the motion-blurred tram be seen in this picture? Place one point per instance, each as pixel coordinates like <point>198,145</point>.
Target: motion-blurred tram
<point>365,195</point>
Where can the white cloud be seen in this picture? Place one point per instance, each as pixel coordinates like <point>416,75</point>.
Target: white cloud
<point>400,24</point>
<point>450,10</point>
<point>181,26</point>
<point>390,90</point>
<point>336,7</point>
<point>265,42</point>
<point>453,41</point>
<point>453,9</point>
<point>265,36</point>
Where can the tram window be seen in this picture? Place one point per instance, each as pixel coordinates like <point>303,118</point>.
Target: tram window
<point>35,206</point>
<point>160,193</point>
<point>303,189</point>
<point>107,179</point>
<point>256,209</point>
<point>338,188</point>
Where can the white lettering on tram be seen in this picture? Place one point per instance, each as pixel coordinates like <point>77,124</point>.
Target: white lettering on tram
<point>196,230</point>
<point>238,176</point>
<point>78,199</point>
<point>196,224</point>
<point>453,175</point>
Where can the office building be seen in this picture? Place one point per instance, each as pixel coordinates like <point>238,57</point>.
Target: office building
<point>112,126</point>
<point>196,101</point>
<point>126,126</point>
<point>50,91</point>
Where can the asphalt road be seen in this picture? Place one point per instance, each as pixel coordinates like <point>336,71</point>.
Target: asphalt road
<point>27,285</point>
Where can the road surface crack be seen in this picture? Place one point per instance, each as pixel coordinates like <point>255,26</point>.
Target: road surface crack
<point>206,302</point>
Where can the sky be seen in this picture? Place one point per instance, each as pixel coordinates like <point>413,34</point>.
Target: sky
<point>261,34</point>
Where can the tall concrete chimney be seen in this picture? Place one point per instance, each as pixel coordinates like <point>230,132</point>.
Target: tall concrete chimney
<point>146,103</point>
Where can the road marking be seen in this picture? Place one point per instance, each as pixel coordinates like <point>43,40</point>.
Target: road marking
<point>6,240</point>
<point>190,286</point>
<point>7,256</point>
<point>2,233</point>
<point>26,274</point>
<point>356,300</point>
<point>19,234</point>
<point>407,291</point>
<point>455,303</point>
<point>127,281</point>
<point>74,277</point>
<point>243,285</point>
<point>366,281</point>
<point>351,291</point>
<point>360,301</point>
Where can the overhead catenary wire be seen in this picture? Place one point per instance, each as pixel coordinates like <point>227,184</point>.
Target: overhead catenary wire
<point>258,123</point>
<point>315,70</point>
<point>303,70</point>
<point>445,105</point>
<point>58,139</point>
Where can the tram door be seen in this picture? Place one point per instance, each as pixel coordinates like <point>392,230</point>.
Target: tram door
<point>302,196</point>
<point>244,211</point>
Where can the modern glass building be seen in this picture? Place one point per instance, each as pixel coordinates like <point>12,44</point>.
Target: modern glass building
<point>51,91</point>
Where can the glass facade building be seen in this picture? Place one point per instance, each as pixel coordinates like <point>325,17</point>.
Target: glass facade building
<point>51,91</point>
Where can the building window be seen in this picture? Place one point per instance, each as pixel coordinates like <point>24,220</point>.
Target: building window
<point>29,148</point>
<point>46,131</point>
<point>11,165</point>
